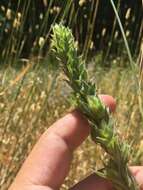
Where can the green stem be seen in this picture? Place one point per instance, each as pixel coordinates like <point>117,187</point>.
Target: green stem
<point>123,34</point>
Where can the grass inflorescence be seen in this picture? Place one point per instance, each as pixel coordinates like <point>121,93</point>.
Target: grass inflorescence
<point>88,102</point>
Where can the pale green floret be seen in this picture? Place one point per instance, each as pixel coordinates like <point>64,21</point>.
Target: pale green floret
<point>97,108</point>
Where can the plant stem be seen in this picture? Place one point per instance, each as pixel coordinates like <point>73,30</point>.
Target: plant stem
<point>123,34</point>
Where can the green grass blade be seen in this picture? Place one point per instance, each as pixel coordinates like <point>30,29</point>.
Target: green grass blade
<point>123,34</point>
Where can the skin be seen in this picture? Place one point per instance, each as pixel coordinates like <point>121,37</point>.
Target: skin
<point>48,163</point>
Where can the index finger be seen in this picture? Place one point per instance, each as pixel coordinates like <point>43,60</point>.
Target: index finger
<point>49,161</point>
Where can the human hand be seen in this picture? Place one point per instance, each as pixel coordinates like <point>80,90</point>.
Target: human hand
<point>48,164</point>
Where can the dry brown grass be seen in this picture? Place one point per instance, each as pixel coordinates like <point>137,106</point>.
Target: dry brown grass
<point>30,104</point>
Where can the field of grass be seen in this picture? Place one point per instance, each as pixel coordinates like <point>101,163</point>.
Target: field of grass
<point>33,93</point>
<point>33,97</point>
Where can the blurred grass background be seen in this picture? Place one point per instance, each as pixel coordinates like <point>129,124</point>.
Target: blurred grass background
<point>32,92</point>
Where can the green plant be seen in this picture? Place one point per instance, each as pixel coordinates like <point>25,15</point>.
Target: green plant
<point>87,100</point>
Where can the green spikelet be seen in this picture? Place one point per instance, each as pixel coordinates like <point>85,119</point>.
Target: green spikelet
<point>86,98</point>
